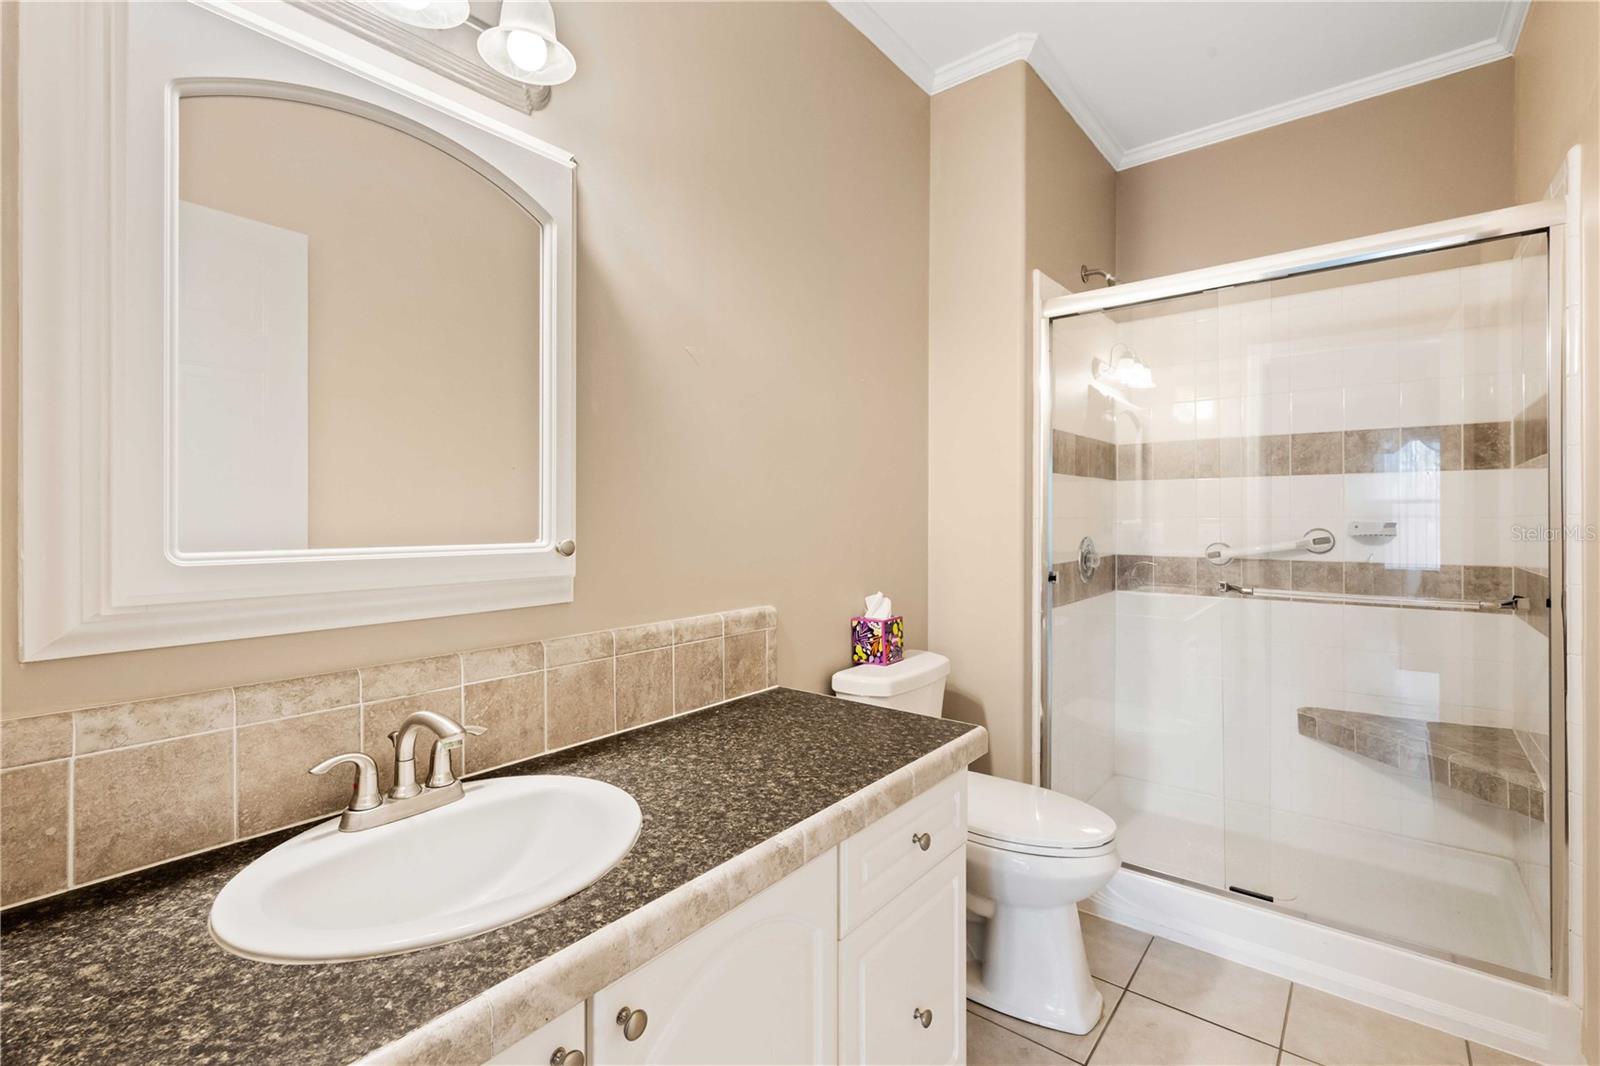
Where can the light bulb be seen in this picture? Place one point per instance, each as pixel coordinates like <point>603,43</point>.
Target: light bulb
<point>527,50</point>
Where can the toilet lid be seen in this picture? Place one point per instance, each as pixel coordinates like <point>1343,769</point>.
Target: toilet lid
<point>1010,812</point>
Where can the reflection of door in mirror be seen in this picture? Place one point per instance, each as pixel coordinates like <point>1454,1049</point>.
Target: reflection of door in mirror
<point>358,336</point>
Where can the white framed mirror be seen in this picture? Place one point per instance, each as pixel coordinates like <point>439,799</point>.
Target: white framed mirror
<point>297,345</point>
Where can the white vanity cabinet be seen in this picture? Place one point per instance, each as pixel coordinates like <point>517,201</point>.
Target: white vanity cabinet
<point>755,986</point>
<point>858,957</point>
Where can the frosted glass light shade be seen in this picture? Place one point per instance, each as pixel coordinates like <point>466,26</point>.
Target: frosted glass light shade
<point>506,47</point>
<point>428,14</point>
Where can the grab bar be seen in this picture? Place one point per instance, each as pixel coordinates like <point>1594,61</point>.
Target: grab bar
<point>1316,541</point>
<point>1511,603</point>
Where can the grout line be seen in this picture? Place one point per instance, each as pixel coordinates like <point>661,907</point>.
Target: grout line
<point>1135,971</point>
<point>1283,1030</point>
<point>1104,1029</point>
<point>1199,1018</point>
<point>72,815</point>
<point>233,738</point>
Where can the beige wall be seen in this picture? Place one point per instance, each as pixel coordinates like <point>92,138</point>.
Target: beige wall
<point>752,303</point>
<point>1557,105</point>
<point>1015,185</point>
<point>1429,152</point>
<point>977,410</point>
<point>423,318</point>
<point>1071,193</point>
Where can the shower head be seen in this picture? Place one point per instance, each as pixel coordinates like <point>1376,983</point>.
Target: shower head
<point>1086,272</point>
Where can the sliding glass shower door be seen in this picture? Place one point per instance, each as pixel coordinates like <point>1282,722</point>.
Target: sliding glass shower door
<point>1318,673</point>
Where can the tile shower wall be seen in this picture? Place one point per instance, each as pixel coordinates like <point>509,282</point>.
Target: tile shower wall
<point>92,793</point>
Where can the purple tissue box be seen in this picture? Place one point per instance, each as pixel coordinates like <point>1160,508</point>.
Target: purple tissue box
<point>879,641</point>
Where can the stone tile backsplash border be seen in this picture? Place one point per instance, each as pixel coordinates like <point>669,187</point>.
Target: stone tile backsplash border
<point>89,794</point>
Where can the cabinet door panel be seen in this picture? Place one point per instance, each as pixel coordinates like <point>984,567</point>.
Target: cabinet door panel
<point>758,985</point>
<point>908,958</point>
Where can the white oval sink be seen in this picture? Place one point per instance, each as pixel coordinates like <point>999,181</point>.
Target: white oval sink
<point>509,848</point>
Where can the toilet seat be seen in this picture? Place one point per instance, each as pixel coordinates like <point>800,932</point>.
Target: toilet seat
<point>1029,820</point>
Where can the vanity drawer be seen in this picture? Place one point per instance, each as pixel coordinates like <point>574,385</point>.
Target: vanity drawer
<point>882,860</point>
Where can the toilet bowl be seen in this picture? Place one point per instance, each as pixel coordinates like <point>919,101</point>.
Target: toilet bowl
<point>1032,854</point>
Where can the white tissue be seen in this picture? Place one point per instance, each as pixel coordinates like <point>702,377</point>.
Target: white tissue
<point>879,606</point>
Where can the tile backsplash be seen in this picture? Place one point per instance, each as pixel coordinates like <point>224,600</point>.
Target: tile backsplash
<point>92,793</point>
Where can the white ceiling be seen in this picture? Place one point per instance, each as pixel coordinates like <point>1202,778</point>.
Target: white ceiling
<point>1148,80</point>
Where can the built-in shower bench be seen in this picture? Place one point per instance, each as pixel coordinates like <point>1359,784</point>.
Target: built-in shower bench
<point>1488,763</point>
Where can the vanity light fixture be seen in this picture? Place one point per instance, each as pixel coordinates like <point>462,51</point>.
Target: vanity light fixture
<point>523,46</point>
<point>428,14</point>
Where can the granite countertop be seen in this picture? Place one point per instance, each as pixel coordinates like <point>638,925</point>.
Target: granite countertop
<point>126,970</point>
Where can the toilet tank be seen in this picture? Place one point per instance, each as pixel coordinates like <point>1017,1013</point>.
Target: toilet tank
<point>915,683</point>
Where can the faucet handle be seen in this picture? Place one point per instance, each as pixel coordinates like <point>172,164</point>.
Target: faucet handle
<point>366,795</point>
<point>440,773</point>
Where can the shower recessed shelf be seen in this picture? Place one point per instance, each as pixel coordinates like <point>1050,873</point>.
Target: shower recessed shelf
<point>1488,763</point>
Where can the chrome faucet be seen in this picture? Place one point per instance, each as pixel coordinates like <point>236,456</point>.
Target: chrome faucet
<point>368,809</point>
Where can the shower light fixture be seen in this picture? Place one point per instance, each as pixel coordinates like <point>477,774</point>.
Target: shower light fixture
<point>1125,369</point>
<point>523,46</point>
<point>428,14</point>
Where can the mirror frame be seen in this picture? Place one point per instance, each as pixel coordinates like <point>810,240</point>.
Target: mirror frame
<point>98,92</point>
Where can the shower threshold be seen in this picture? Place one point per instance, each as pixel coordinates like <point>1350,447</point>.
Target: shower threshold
<point>1450,902</point>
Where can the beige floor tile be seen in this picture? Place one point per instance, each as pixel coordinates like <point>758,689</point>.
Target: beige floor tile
<point>1234,996</point>
<point>1072,1045</point>
<point>1113,949</point>
<point>991,1045</point>
<point>1488,1056</point>
<point>1286,1059</point>
<point>1145,1033</point>
<point>1337,1032</point>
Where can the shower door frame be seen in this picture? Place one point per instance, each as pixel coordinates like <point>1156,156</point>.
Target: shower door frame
<point>1549,217</point>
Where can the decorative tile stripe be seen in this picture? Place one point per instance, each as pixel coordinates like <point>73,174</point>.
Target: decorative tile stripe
<point>153,780</point>
<point>1068,585</point>
<point>1488,763</point>
<point>1469,446</point>
<point>1080,456</point>
<point>1530,433</point>
<point>1194,575</point>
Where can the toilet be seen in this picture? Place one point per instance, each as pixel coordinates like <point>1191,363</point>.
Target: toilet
<point>1032,854</point>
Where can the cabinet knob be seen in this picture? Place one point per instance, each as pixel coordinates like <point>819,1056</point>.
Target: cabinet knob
<point>923,1015</point>
<point>563,1057</point>
<point>921,840</point>
<point>632,1022</point>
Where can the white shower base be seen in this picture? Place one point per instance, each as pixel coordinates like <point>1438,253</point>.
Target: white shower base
<point>1447,900</point>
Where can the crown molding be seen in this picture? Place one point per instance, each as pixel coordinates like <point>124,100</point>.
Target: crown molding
<point>992,57</point>
<point>1465,58</point>
<point>864,17</point>
<point>1054,74</point>
<point>1511,23</point>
